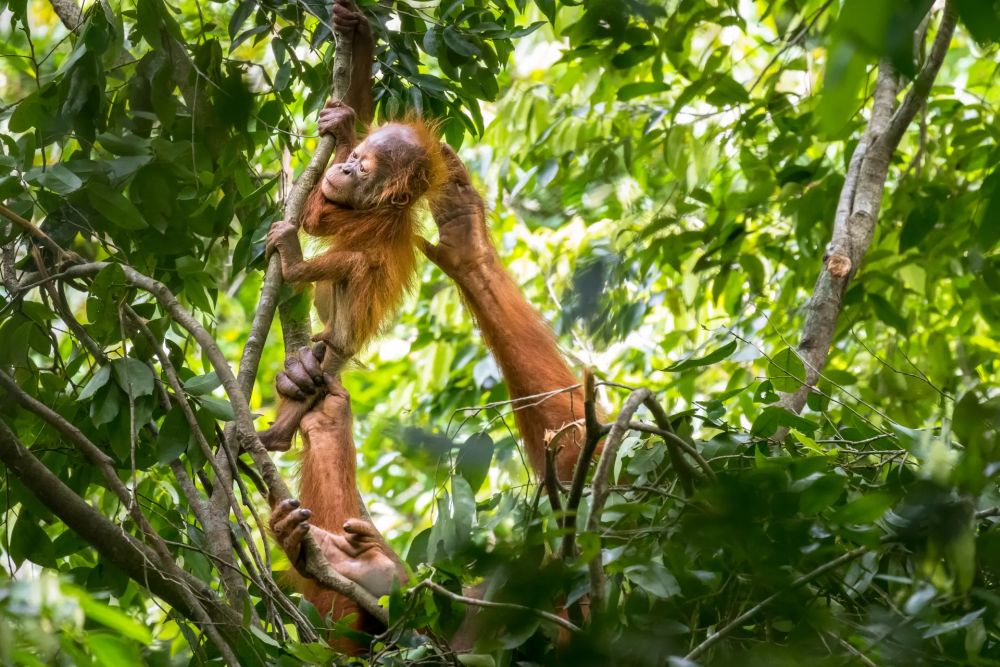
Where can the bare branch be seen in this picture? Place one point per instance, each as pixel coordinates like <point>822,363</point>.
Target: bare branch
<point>858,209</point>
<point>592,437</point>
<point>34,232</point>
<point>294,204</point>
<point>602,478</point>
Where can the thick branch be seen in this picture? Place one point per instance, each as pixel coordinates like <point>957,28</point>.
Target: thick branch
<point>294,203</point>
<point>858,208</point>
<point>110,541</point>
<point>103,463</point>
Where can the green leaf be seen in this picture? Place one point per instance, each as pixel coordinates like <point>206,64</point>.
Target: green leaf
<point>174,436</point>
<point>654,578</point>
<point>56,177</point>
<point>104,408</point>
<point>709,359</point>
<point>474,459</point>
<point>460,44</point>
<point>786,371</point>
<point>217,407</point>
<point>918,224</point>
<point>114,207</point>
<point>981,19</point>
<point>133,376</point>
<point>124,143</point>
<point>989,223</point>
<point>633,56</point>
<point>202,384</point>
<point>112,617</point>
<point>100,379</point>
<point>29,542</point>
<point>773,417</point>
<point>632,90</point>
<point>463,501</point>
<point>240,17</point>
<point>112,650</point>
<point>818,491</point>
<point>864,509</point>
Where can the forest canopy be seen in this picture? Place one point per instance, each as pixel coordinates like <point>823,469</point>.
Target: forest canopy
<point>764,233</point>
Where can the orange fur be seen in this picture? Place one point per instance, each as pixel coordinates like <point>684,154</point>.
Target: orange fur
<point>384,238</point>
<point>328,486</point>
<point>529,358</point>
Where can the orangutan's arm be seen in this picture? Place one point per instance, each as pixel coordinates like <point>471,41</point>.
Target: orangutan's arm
<point>523,345</point>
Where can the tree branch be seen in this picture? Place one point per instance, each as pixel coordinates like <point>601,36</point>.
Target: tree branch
<point>720,634</point>
<point>602,478</point>
<point>315,562</point>
<point>104,465</point>
<point>294,203</point>
<point>858,208</point>
<point>592,437</point>
<point>118,547</point>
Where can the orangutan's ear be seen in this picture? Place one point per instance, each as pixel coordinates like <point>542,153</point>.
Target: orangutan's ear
<point>400,199</point>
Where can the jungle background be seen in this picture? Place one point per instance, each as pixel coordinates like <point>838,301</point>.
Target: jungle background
<point>663,181</point>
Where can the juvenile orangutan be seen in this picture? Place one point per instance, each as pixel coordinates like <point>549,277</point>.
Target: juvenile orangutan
<point>363,207</point>
<point>527,353</point>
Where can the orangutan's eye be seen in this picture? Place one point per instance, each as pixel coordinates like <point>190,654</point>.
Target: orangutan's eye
<point>362,168</point>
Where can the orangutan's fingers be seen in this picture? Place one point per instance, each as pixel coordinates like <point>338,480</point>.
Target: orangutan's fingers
<point>281,511</point>
<point>284,528</point>
<point>359,529</point>
<point>298,374</point>
<point>311,365</point>
<point>287,388</point>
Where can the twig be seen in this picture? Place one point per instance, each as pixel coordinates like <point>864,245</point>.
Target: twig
<point>602,478</point>
<point>34,232</point>
<point>989,512</point>
<point>720,634</point>
<point>592,436</point>
<point>548,616</point>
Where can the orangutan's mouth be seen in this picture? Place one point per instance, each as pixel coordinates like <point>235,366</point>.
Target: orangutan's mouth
<point>325,187</point>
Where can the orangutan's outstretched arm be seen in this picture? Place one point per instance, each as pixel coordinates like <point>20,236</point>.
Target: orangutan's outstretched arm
<point>523,345</point>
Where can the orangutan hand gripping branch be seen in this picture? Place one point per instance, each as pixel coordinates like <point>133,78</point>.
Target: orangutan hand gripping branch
<point>329,509</point>
<point>528,355</point>
<point>363,207</point>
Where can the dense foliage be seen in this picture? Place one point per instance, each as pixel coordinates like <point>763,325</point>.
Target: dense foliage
<point>663,178</point>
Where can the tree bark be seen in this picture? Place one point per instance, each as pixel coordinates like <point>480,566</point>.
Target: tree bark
<point>858,208</point>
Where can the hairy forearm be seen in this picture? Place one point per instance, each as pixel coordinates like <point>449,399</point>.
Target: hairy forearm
<point>524,346</point>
